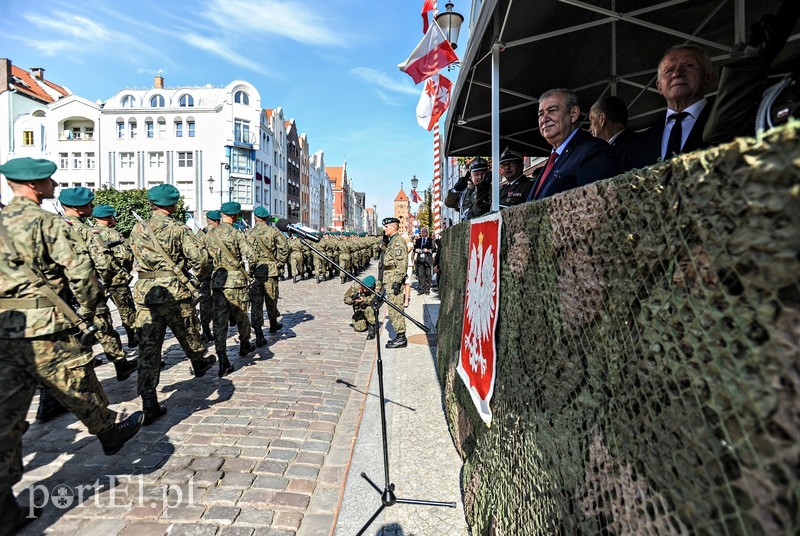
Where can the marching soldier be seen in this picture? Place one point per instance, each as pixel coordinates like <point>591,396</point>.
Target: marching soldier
<point>272,250</point>
<point>212,220</point>
<point>165,249</point>
<point>395,264</point>
<point>319,262</point>
<point>363,313</point>
<point>296,258</point>
<point>105,218</point>
<point>37,328</point>
<point>344,256</point>
<point>228,249</point>
<point>77,203</point>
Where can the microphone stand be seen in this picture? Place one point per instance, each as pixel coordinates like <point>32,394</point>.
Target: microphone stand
<point>388,498</point>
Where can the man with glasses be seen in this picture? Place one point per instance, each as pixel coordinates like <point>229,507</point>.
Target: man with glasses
<point>517,186</point>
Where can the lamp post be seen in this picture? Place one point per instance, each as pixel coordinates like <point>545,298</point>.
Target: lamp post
<point>211,184</point>
<point>414,183</point>
<point>450,23</point>
<point>223,166</point>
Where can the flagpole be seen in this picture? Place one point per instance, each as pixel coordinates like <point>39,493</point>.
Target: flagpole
<point>437,182</point>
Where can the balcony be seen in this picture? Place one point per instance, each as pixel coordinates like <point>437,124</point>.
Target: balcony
<point>244,138</point>
<point>68,135</point>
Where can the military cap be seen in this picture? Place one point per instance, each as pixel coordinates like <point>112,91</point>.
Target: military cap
<point>76,197</point>
<point>510,156</point>
<point>369,281</point>
<point>231,208</point>
<point>387,221</point>
<point>362,234</point>
<point>104,211</point>
<point>479,164</point>
<point>214,215</point>
<point>163,195</point>
<point>261,212</point>
<point>28,169</point>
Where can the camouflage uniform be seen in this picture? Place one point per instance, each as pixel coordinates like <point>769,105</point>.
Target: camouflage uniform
<point>296,257</point>
<point>161,299</point>
<point>119,288</point>
<point>229,284</point>
<point>363,313</point>
<point>271,251</point>
<point>344,258</point>
<point>38,344</point>
<point>204,287</point>
<point>395,264</point>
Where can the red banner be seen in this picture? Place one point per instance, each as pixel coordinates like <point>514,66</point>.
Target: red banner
<point>476,366</point>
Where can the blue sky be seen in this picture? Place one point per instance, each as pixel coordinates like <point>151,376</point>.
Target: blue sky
<point>331,64</point>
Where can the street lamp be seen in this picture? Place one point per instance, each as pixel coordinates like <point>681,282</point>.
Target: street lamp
<point>211,184</point>
<point>414,182</point>
<point>450,23</point>
<point>222,166</point>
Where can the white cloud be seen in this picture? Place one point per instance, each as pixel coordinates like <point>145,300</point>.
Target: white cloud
<point>77,27</point>
<point>223,50</point>
<point>380,79</point>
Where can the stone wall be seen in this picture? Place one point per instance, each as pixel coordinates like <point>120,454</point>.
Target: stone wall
<point>648,339</point>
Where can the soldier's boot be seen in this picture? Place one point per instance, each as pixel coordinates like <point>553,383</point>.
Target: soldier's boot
<point>319,279</point>
<point>133,340</point>
<point>13,515</point>
<point>245,347</point>
<point>114,439</point>
<point>398,342</point>
<point>49,406</point>
<point>343,279</point>
<point>201,366</point>
<point>152,409</point>
<point>125,368</point>
<point>225,366</point>
<point>275,326</point>
<point>370,331</point>
<point>260,339</point>
<point>231,322</point>
<point>207,335</point>
<point>294,279</point>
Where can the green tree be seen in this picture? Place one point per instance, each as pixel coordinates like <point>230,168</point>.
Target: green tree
<point>425,212</point>
<point>128,201</point>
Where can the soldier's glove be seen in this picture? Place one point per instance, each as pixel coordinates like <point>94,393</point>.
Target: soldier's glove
<point>396,288</point>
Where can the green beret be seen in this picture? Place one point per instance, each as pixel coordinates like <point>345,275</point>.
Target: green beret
<point>76,197</point>
<point>231,208</point>
<point>163,195</point>
<point>362,234</point>
<point>104,211</point>
<point>261,212</point>
<point>214,215</point>
<point>28,169</point>
<point>369,281</point>
<point>387,221</point>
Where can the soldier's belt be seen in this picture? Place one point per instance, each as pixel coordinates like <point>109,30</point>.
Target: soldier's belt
<point>156,274</point>
<point>227,266</point>
<point>25,303</point>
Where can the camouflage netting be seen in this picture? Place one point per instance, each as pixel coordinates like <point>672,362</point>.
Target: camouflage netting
<point>648,338</point>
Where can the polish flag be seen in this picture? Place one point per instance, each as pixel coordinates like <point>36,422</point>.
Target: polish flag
<point>434,100</point>
<point>415,198</point>
<point>432,54</point>
<point>427,7</point>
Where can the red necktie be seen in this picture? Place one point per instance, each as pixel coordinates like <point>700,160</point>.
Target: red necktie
<point>550,163</point>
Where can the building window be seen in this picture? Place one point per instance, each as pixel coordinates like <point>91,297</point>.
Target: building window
<point>88,133</point>
<point>156,159</point>
<point>27,137</point>
<point>185,159</point>
<point>162,127</point>
<point>148,127</point>
<point>63,160</point>
<point>120,130</point>
<point>157,101</point>
<point>240,97</point>
<point>90,161</point>
<point>178,129</point>
<point>241,161</point>
<point>126,160</point>
<point>132,128</point>
<point>127,101</point>
<point>190,128</point>
<point>241,131</point>
<point>186,101</point>
<point>77,161</point>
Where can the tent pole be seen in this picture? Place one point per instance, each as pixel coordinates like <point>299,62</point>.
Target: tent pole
<point>496,127</point>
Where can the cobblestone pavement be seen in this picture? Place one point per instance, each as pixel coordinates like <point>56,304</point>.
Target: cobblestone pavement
<point>264,451</point>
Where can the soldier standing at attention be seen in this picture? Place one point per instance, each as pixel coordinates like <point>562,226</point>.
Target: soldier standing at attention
<point>395,264</point>
<point>105,218</point>
<point>271,251</point>
<point>363,313</point>
<point>165,249</point>
<point>77,203</point>
<point>37,338</point>
<point>229,248</point>
<point>212,220</point>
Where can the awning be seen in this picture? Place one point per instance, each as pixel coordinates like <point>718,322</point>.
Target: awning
<point>595,47</point>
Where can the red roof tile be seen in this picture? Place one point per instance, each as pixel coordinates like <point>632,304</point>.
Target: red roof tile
<point>24,82</point>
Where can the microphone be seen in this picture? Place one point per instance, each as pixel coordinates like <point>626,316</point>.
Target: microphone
<point>287,227</point>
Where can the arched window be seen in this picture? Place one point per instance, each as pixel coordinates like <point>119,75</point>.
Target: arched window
<point>39,113</point>
<point>186,101</point>
<point>157,101</point>
<point>241,98</point>
<point>127,101</point>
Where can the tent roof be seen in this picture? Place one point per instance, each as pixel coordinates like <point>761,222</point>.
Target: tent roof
<point>595,47</point>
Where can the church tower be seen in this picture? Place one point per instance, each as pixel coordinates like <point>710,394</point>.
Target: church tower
<point>402,208</point>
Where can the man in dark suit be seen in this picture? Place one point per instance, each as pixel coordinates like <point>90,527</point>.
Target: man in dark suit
<point>608,120</point>
<point>577,158</point>
<point>424,249</point>
<point>684,72</point>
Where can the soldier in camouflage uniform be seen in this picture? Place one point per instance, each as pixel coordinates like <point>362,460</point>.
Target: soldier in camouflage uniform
<point>272,250</point>
<point>164,295</point>
<point>105,218</point>
<point>37,342</point>
<point>77,203</point>
<point>319,262</point>
<point>363,313</point>
<point>296,258</point>
<point>212,220</point>
<point>229,249</point>
<point>344,256</point>
<point>395,264</point>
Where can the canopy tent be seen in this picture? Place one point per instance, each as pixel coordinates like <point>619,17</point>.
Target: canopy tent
<point>595,47</point>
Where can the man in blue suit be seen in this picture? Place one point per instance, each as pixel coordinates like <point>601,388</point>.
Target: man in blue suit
<point>577,158</point>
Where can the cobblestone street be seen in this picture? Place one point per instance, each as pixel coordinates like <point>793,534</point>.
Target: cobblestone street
<point>264,451</point>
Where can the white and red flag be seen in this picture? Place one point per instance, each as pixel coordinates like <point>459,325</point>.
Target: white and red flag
<point>476,365</point>
<point>431,55</point>
<point>415,198</point>
<point>427,7</point>
<point>434,100</point>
